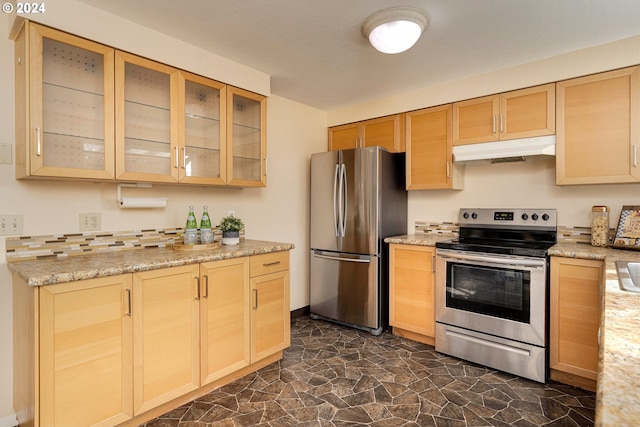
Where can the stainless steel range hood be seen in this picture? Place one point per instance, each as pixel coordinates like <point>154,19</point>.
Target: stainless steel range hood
<point>505,151</point>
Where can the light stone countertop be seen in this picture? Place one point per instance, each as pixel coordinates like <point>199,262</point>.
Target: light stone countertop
<point>53,270</point>
<point>618,389</point>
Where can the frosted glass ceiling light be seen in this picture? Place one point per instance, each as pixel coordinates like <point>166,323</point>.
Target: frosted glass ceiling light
<point>395,30</point>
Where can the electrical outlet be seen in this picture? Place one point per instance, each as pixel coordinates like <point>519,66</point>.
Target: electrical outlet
<point>10,225</point>
<point>90,221</point>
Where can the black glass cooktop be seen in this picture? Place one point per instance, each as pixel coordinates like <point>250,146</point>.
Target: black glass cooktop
<point>532,243</point>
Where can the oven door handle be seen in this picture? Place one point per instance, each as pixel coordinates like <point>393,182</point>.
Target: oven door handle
<point>504,261</point>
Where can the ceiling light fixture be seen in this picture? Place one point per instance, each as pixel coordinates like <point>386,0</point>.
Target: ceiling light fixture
<point>396,29</point>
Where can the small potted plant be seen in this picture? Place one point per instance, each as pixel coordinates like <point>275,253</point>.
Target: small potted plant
<point>230,227</point>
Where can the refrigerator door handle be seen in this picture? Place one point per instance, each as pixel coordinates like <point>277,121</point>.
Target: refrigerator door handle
<point>335,258</point>
<point>343,212</point>
<point>335,190</point>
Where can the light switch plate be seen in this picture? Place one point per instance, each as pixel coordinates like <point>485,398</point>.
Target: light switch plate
<point>5,154</point>
<point>10,225</point>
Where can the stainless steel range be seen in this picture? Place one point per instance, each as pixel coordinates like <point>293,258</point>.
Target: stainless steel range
<point>492,289</point>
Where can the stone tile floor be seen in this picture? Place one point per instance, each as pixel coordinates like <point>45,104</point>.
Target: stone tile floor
<point>337,376</point>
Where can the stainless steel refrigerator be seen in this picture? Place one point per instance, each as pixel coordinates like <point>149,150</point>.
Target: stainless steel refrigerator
<point>358,198</point>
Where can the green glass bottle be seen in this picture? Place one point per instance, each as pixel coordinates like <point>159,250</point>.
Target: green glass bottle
<point>206,235</point>
<point>191,229</point>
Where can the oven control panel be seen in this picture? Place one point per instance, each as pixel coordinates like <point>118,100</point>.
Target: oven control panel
<point>509,217</point>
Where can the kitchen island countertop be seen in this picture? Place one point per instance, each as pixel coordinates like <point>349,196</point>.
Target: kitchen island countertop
<point>51,270</point>
<point>618,396</point>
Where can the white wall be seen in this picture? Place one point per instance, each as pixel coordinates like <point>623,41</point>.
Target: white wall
<point>278,212</point>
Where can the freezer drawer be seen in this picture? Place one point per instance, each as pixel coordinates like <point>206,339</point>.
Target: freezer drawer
<point>344,288</point>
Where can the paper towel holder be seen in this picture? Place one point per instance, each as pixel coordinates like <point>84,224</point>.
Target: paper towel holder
<point>139,202</point>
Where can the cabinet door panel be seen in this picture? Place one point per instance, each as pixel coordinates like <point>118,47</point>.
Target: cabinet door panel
<point>71,106</point>
<point>202,155</point>
<point>225,318</point>
<point>86,353</point>
<point>596,135</point>
<point>146,120</point>
<point>429,155</point>
<point>166,335</point>
<point>475,120</point>
<point>270,323</point>
<point>343,137</point>
<point>575,315</point>
<point>384,132</point>
<point>246,129</point>
<point>528,112</point>
<point>411,289</point>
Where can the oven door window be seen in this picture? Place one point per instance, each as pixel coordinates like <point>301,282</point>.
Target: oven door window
<point>493,291</point>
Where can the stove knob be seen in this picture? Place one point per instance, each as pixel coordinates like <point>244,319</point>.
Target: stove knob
<point>525,217</point>
<point>465,215</point>
<point>545,217</point>
<point>474,215</point>
<point>534,217</point>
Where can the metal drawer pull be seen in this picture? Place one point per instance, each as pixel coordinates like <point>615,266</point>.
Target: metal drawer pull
<point>198,281</point>
<point>206,286</point>
<point>128,291</point>
<point>270,264</point>
<point>255,299</point>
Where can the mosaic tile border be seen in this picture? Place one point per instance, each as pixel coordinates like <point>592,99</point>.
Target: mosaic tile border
<point>430,227</point>
<point>566,234</point>
<point>73,244</point>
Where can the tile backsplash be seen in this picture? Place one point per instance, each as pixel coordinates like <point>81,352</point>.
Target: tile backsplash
<point>64,245</point>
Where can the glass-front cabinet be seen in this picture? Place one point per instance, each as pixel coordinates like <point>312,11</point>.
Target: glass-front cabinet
<point>146,120</point>
<point>246,152</point>
<point>89,111</point>
<point>202,142</point>
<point>64,106</point>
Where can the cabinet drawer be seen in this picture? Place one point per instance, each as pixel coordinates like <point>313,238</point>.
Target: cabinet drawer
<point>269,263</point>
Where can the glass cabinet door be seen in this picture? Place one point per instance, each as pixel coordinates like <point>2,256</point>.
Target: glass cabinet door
<point>71,106</point>
<point>146,120</point>
<point>202,151</point>
<point>246,154</point>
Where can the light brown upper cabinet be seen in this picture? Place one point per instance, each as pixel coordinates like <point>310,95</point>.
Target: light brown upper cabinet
<point>88,111</point>
<point>385,132</point>
<point>598,128</point>
<point>64,106</point>
<point>146,120</point>
<point>246,138</point>
<point>202,146</point>
<point>429,150</point>
<point>522,113</point>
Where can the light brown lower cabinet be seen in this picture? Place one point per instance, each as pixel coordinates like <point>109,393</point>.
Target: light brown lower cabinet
<point>270,318</point>
<point>85,353</point>
<point>124,349</point>
<point>411,292</point>
<point>575,299</point>
<point>224,318</point>
<point>166,340</point>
